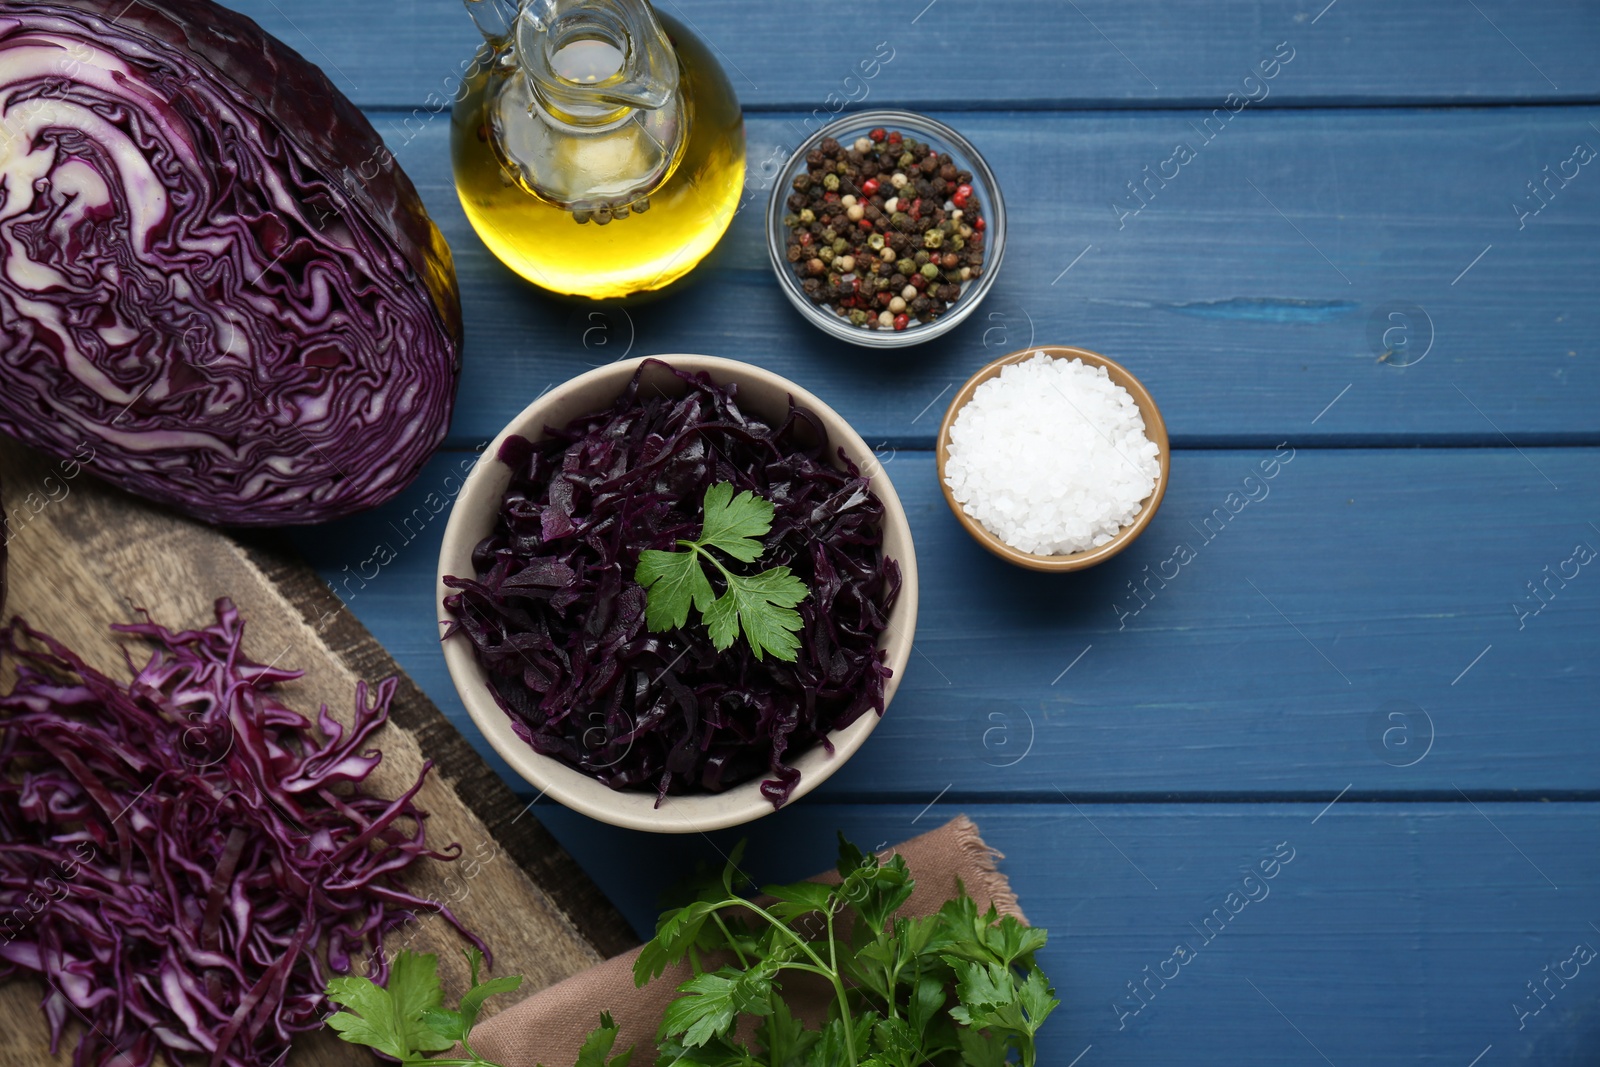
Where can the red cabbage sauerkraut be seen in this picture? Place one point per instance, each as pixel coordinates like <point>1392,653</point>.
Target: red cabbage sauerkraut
<point>558,623</point>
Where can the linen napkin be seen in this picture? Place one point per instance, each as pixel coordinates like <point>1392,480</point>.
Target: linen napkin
<point>549,1026</point>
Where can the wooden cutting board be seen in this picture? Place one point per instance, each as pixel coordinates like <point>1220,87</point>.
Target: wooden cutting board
<point>83,555</point>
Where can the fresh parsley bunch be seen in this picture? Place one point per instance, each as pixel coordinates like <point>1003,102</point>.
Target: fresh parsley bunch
<point>761,604</point>
<point>955,989</point>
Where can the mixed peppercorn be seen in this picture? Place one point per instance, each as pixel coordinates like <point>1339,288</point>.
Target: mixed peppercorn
<point>884,231</point>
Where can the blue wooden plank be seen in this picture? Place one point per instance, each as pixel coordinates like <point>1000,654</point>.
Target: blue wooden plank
<point>1398,934</point>
<point>1357,624</point>
<point>1026,52</point>
<point>1252,294</point>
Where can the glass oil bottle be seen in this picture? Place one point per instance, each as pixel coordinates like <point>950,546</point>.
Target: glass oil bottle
<point>598,147</point>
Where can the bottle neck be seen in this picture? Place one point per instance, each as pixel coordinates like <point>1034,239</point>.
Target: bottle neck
<point>592,61</point>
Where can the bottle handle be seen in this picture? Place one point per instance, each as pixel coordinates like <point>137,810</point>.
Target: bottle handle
<point>495,19</point>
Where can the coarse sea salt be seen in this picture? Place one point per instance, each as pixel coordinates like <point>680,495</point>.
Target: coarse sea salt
<point>1051,456</point>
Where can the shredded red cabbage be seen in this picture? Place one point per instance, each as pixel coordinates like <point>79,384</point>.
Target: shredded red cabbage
<point>181,859</point>
<point>558,623</point>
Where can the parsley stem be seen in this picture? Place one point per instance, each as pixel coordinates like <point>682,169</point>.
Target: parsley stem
<point>830,973</point>
<point>802,943</point>
<point>728,935</point>
<point>700,550</point>
<point>838,986</point>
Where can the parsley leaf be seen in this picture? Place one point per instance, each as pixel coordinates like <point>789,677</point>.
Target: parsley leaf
<point>733,523</point>
<point>762,605</point>
<point>407,1017</point>
<point>390,1017</point>
<point>375,1023</point>
<point>597,1046</point>
<point>674,580</point>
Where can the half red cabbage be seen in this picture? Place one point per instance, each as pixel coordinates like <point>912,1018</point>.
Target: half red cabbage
<point>211,270</point>
<point>182,859</point>
<point>557,620</point>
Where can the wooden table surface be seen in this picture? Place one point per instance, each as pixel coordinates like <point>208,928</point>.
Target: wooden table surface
<point>1381,662</point>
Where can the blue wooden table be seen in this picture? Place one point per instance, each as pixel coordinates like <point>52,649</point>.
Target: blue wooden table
<point>1375,268</point>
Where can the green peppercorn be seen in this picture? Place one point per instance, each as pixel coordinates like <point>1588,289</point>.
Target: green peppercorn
<point>900,220</point>
<point>906,159</point>
<point>875,242</point>
<point>858,317</point>
<point>791,221</point>
<point>933,239</point>
<point>829,234</point>
<point>920,258</point>
<point>958,242</point>
<point>830,182</point>
<point>905,266</point>
<point>807,217</point>
<point>840,245</point>
<point>929,271</point>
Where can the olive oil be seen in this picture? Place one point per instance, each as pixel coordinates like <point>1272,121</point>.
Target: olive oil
<point>642,245</point>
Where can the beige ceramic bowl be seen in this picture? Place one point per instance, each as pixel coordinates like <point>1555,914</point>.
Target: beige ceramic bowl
<point>1155,429</point>
<point>763,394</point>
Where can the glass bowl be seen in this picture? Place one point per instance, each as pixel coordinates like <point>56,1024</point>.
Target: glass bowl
<point>948,143</point>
